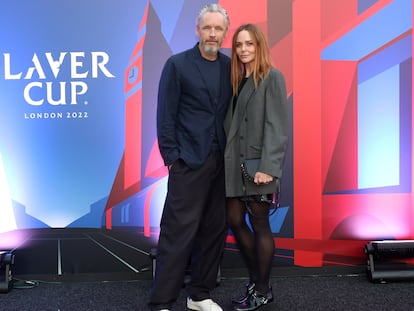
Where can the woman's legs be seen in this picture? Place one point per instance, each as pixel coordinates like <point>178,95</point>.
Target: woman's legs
<point>236,219</point>
<point>264,244</point>
<point>257,247</point>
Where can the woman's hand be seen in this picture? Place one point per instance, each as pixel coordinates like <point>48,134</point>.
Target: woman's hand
<point>262,178</point>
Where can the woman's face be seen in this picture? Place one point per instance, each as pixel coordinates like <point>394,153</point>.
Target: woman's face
<point>245,48</point>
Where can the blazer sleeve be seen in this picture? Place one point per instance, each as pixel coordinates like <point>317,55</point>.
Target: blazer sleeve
<point>276,125</point>
<point>168,103</point>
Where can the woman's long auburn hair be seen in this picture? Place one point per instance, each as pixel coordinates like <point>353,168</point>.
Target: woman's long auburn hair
<point>262,62</point>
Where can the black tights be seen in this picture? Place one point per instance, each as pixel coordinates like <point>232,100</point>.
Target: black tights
<point>257,246</point>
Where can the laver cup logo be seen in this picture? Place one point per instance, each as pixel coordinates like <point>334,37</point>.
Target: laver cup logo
<point>57,79</point>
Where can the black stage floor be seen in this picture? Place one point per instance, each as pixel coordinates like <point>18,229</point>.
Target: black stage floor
<point>90,254</point>
<point>96,269</point>
<point>84,254</point>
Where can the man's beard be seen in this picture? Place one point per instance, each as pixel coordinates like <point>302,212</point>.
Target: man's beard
<point>208,49</point>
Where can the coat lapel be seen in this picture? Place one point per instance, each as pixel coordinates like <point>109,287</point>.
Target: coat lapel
<point>237,116</point>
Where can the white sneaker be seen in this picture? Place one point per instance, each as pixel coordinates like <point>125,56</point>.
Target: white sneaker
<point>203,305</point>
<point>164,310</point>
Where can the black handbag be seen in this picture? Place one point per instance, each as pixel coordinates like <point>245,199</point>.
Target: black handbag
<point>249,168</point>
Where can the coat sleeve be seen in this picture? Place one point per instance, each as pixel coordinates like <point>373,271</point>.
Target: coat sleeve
<point>168,104</point>
<point>276,127</point>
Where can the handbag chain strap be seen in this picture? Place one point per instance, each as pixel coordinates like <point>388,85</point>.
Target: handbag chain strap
<point>245,174</point>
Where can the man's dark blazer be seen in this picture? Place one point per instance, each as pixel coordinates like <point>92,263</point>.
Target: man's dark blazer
<point>188,115</point>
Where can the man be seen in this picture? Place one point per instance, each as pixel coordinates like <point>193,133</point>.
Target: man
<point>194,92</point>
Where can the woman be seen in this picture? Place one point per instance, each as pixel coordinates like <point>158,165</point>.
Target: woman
<point>256,125</point>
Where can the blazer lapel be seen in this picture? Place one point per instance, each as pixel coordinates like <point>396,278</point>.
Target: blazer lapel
<point>241,105</point>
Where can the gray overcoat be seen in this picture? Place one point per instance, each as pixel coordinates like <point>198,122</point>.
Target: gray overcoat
<point>257,128</point>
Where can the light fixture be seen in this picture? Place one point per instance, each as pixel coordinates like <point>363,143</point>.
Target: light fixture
<point>387,260</point>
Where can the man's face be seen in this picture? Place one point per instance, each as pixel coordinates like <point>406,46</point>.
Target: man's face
<point>211,30</point>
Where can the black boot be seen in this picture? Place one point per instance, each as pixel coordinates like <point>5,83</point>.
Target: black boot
<point>254,301</point>
<point>240,299</point>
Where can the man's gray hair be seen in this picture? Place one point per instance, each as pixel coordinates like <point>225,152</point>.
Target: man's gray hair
<point>213,7</point>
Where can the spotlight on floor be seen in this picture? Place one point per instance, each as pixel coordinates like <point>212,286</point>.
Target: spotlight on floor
<point>6,261</point>
<point>387,260</point>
